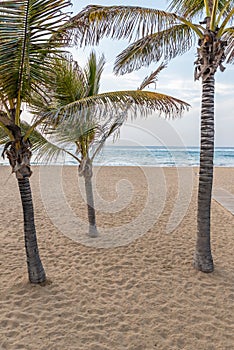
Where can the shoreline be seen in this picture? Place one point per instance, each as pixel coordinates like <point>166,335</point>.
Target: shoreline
<point>127,166</point>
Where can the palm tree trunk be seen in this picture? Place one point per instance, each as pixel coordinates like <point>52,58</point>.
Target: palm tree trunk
<point>202,258</point>
<point>35,268</point>
<point>90,206</point>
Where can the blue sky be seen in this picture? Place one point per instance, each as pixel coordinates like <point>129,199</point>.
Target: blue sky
<point>176,80</point>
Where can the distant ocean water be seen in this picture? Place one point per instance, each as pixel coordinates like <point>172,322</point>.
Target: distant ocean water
<point>161,156</point>
<point>153,156</point>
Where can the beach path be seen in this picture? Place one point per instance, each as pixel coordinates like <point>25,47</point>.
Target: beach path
<point>225,198</point>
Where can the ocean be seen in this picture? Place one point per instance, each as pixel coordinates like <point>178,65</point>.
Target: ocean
<point>152,156</point>
<point>161,156</point>
<point>157,156</point>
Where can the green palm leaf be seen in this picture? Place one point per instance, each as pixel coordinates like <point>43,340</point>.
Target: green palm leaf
<point>103,133</point>
<point>69,132</point>
<point>50,146</point>
<point>69,82</point>
<point>24,32</point>
<point>93,72</point>
<point>45,149</point>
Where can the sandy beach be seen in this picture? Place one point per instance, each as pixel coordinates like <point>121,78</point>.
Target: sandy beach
<point>134,288</point>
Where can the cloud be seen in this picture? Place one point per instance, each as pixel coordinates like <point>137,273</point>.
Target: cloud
<point>110,82</point>
<point>224,89</point>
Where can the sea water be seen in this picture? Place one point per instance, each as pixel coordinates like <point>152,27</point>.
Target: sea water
<point>150,156</point>
<point>161,156</point>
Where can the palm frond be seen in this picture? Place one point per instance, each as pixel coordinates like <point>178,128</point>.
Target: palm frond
<point>103,106</point>
<point>45,150</point>
<point>164,45</point>
<point>195,8</point>
<point>117,22</point>
<point>111,127</point>
<point>93,71</point>
<point>225,11</point>
<point>69,81</point>
<point>58,141</point>
<point>228,20</point>
<point>229,51</point>
<point>88,121</point>
<point>24,37</point>
<point>188,9</point>
<point>67,84</point>
<point>69,131</point>
<point>4,138</point>
<point>153,77</point>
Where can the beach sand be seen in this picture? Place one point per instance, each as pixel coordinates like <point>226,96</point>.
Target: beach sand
<point>135,287</point>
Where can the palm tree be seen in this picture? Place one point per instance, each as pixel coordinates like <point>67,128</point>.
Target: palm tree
<point>82,127</point>
<point>25,58</point>
<point>156,35</point>
<point>88,140</point>
<point>31,38</point>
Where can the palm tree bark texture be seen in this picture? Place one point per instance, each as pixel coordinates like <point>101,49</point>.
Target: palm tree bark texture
<point>85,169</point>
<point>19,155</point>
<point>28,49</point>
<point>202,257</point>
<point>210,57</point>
<point>35,268</point>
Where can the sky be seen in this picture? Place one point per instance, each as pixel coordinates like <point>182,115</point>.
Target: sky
<point>177,80</point>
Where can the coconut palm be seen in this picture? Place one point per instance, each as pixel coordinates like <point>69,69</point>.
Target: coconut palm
<point>30,40</point>
<point>81,142</point>
<point>84,128</point>
<point>26,51</point>
<point>157,34</point>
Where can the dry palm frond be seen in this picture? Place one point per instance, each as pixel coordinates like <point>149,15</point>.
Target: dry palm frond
<point>229,51</point>
<point>194,8</point>
<point>153,77</point>
<point>167,44</point>
<point>103,106</point>
<point>117,22</point>
<point>109,128</point>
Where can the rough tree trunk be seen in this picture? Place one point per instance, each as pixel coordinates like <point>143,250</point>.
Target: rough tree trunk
<point>19,155</point>
<point>90,206</point>
<point>202,258</point>
<point>210,57</point>
<point>86,170</point>
<point>35,269</point>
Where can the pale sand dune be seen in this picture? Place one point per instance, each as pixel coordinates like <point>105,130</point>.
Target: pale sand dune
<point>142,296</point>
